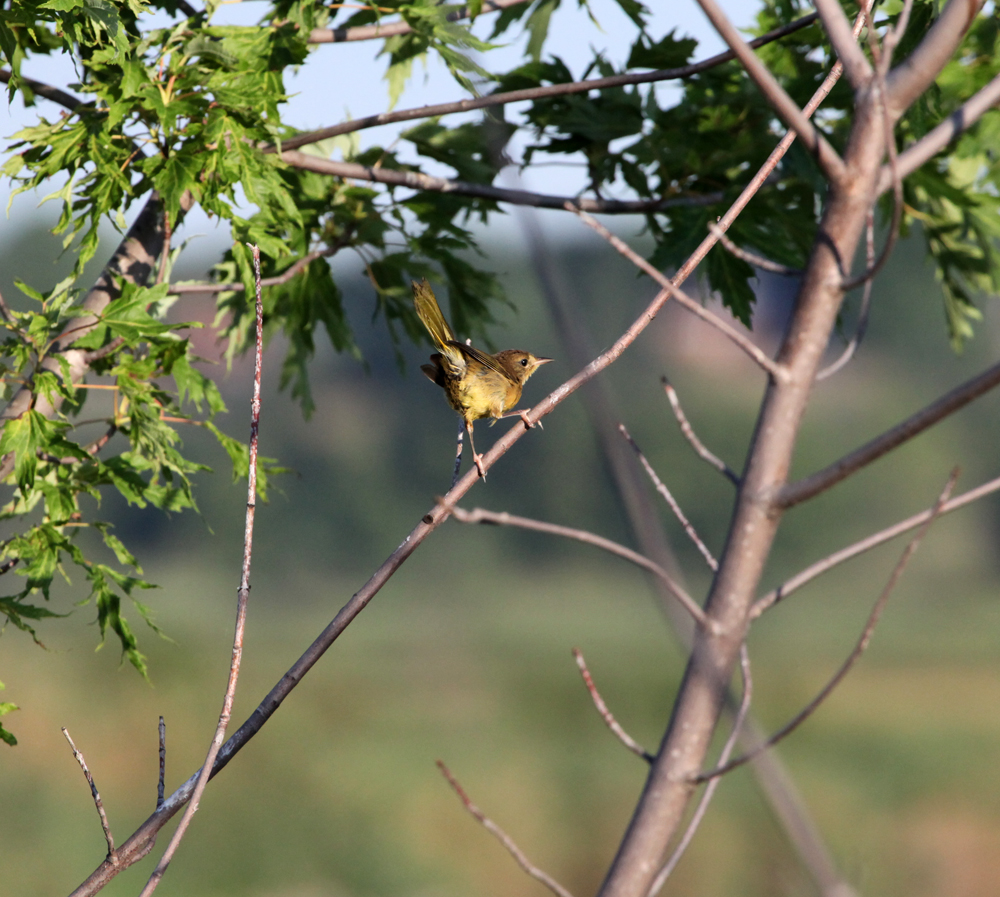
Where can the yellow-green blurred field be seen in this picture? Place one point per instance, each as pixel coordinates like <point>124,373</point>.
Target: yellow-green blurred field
<point>465,655</point>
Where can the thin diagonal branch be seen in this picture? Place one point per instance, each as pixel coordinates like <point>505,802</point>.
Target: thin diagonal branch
<point>376,32</point>
<point>503,837</point>
<point>670,500</point>
<point>416,180</point>
<point>480,515</point>
<point>798,120</point>
<point>794,583</point>
<point>727,749</point>
<point>795,493</point>
<point>606,714</point>
<point>243,596</point>
<point>689,434</point>
<point>112,855</point>
<point>859,648</point>
<point>62,97</point>
<point>162,730</point>
<point>532,93</point>
<point>746,344</point>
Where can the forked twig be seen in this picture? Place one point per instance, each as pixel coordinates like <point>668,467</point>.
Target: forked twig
<point>606,714</point>
<point>796,582</point>
<point>706,798</point>
<point>502,518</point>
<point>671,501</point>
<point>751,258</point>
<point>746,344</point>
<point>112,854</point>
<point>242,599</point>
<point>502,836</point>
<point>859,648</point>
<point>689,434</point>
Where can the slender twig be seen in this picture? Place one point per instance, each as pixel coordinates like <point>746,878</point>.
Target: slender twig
<point>243,595</point>
<point>187,9</point>
<point>5,312</point>
<point>104,351</point>
<point>459,445</point>
<point>480,515</point>
<point>532,93</point>
<point>796,582</point>
<point>375,32</point>
<point>418,181</point>
<point>751,258</point>
<point>502,836</point>
<point>747,345</point>
<point>112,855</point>
<point>866,299</point>
<point>64,99</point>
<point>689,434</point>
<point>292,271</point>
<point>859,648</point>
<point>706,797</point>
<point>796,118</point>
<point>959,397</point>
<point>606,714</point>
<point>670,500</point>
<point>935,140</point>
<point>165,253</point>
<point>162,730</point>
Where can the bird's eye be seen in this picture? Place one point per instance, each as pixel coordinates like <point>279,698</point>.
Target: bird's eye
<point>524,362</point>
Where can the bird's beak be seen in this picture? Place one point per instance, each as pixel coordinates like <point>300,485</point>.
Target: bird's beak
<point>539,361</point>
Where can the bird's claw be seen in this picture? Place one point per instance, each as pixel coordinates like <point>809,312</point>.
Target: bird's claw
<point>478,461</point>
<point>527,423</point>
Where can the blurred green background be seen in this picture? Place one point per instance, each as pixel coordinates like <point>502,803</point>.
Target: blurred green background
<point>465,655</point>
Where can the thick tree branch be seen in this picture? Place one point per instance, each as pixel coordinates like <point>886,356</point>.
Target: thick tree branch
<point>418,181</point>
<point>916,73</point>
<point>845,43</point>
<point>784,105</point>
<point>533,93</point>
<point>62,97</point>
<point>794,493</point>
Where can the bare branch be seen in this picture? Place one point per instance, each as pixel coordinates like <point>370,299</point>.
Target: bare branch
<point>62,97</point>
<point>503,837</point>
<point>845,44</point>
<point>243,595</point>
<point>794,493</point>
<point>746,344</point>
<point>668,497</point>
<point>751,258</point>
<point>5,312</point>
<point>863,311</point>
<point>692,438</point>
<point>796,582</point>
<point>702,807</point>
<point>607,715</point>
<point>163,763</point>
<point>532,93</point>
<point>831,164</point>
<point>375,32</point>
<point>917,72</point>
<point>937,139</point>
<point>480,515</point>
<point>112,856</point>
<point>859,648</point>
<point>419,181</point>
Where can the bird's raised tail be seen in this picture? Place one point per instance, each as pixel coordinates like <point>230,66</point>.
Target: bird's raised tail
<point>430,313</point>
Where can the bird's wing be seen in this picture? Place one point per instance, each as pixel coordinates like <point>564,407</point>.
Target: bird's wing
<point>484,359</point>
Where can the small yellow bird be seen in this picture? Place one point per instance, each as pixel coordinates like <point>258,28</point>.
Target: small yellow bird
<point>476,384</point>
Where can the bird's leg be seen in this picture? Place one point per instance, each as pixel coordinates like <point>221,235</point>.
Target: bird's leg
<point>524,419</point>
<point>458,452</point>
<point>477,459</point>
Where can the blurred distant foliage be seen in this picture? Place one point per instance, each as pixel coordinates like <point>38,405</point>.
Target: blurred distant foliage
<point>189,113</point>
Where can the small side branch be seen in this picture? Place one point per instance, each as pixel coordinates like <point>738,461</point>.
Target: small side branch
<point>859,648</point>
<point>671,501</point>
<point>606,714</point>
<point>795,493</point>
<point>706,798</point>
<point>747,345</point>
<point>688,431</point>
<point>751,258</point>
<point>480,515</point>
<point>503,837</point>
<point>796,582</point>
<point>112,854</point>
